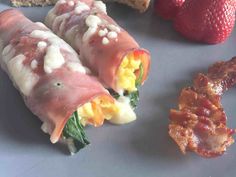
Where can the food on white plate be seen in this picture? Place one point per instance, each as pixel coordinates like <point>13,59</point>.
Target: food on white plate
<point>19,3</point>
<point>199,124</point>
<point>105,48</point>
<point>54,84</point>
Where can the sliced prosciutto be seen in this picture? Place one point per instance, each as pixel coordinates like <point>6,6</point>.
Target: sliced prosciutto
<point>107,49</point>
<point>53,83</point>
<point>199,125</point>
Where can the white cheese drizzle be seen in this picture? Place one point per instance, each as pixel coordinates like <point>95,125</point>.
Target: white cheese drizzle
<point>92,21</point>
<point>42,34</point>
<point>34,64</point>
<point>105,41</point>
<point>41,45</point>
<point>53,59</point>
<point>80,7</point>
<point>52,39</point>
<point>101,6</point>
<point>126,114</point>
<point>103,32</point>
<point>112,35</point>
<point>114,28</point>
<point>77,67</point>
<point>24,79</point>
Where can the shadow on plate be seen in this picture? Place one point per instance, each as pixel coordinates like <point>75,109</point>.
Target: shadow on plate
<point>17,123</point>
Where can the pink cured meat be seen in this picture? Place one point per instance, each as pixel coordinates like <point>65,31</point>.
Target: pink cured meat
<point>68,20</point>
<point>54,96</point>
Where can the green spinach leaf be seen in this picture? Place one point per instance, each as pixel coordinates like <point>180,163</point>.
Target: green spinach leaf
<point>75,131</point>
<point>138,81</point>
<point>134,98</point>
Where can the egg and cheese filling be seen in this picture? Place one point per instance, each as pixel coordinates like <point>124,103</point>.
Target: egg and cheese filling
<point>95,111</point>
<point>126,74</point>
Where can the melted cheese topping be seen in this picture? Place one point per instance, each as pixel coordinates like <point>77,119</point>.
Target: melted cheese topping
<point>105,41</point>
<point>77,67</point>
<point>96,111</point>
<point>51,38</point>
<point>92,21</point>
<point>101,6</point>
<point>114,28</point>
<point>103,32</point>
<point>80,7</point>
<point>112,35</point>
<point>109,33</point>
<point>34,64</point>
<point>22,75</point>
<point>41,44</point>
<point>53,59</point>
<point>125,114</point>
<point>126,73</point>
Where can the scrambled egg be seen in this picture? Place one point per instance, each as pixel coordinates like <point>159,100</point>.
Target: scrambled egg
<point>126,76</point>
<point>119,112</point>
<point>95,111</point>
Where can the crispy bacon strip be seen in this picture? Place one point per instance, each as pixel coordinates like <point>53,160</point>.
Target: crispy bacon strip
<point>199,125</point>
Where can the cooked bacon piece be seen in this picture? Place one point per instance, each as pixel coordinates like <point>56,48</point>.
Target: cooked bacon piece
<point>200,123</point>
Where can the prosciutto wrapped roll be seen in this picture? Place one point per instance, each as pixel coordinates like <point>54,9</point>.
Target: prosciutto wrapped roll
<point>52,81</point>
<point>107,49</point>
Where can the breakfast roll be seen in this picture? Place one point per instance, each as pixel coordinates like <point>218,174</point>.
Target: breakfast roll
<point>55,86</point>
<point>105,48</point>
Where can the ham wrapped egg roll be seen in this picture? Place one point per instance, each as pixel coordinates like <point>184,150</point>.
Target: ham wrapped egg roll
<point>107,49</point>
<point>54,84</point>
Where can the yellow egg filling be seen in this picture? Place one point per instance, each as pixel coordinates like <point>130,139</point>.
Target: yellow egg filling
<point>95,111</point>
<point>126,76</point>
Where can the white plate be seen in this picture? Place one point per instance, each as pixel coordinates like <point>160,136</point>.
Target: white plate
<point>139,149</point>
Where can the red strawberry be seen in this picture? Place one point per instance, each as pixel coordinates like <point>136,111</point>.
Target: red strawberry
<point>209,21</point>
<point>168,9</point>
